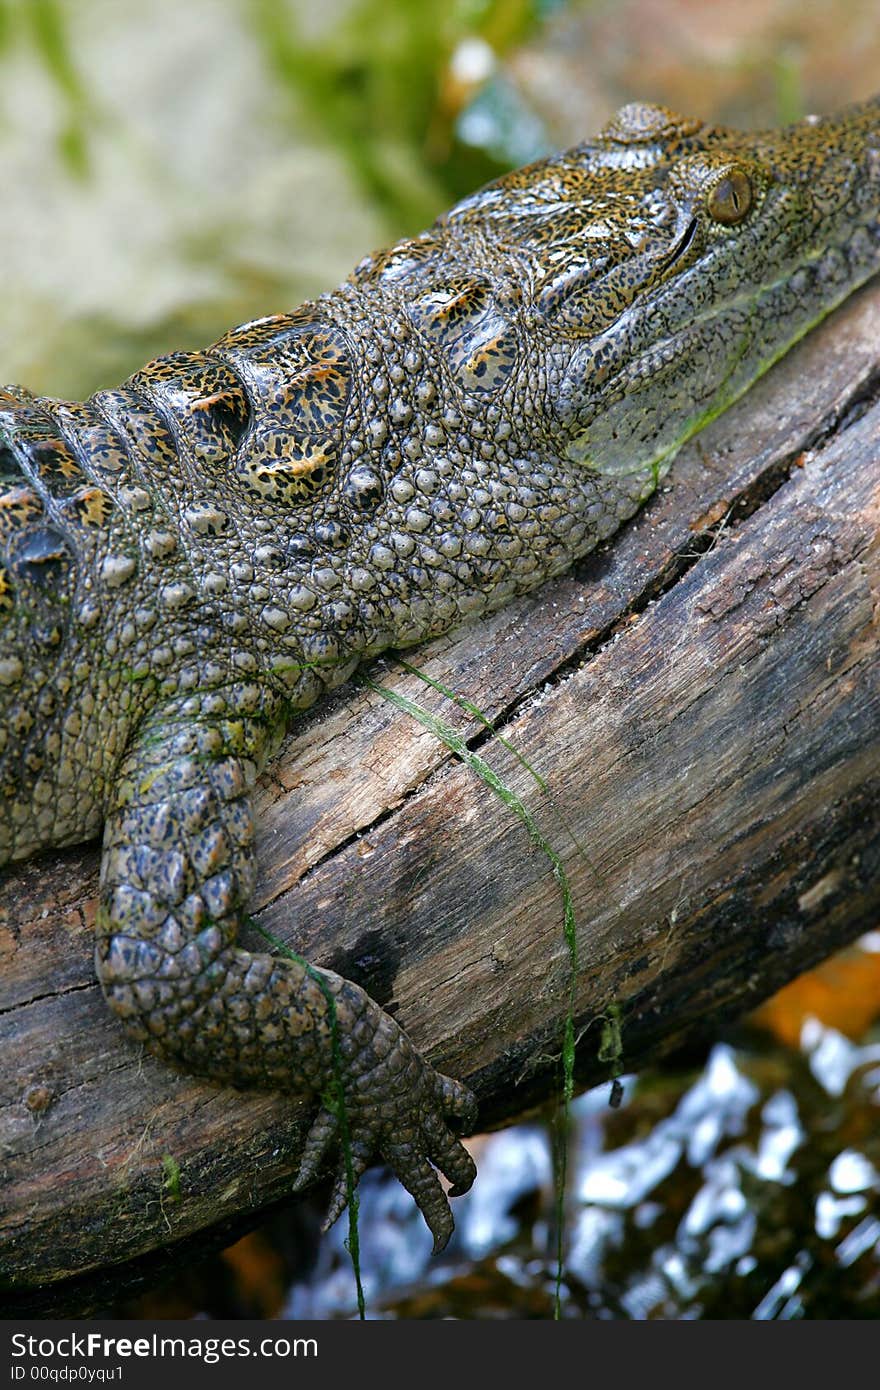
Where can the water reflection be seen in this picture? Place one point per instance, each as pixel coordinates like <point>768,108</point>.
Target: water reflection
<point>749,1190</point>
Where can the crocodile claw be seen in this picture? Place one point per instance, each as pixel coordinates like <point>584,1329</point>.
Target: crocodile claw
<point>397,1109</point>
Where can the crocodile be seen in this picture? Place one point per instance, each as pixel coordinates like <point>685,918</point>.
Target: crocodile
<point>188,560</point>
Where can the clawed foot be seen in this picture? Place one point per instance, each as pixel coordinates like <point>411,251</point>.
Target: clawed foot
<point>395,1107</point>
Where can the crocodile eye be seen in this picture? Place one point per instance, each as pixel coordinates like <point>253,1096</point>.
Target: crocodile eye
<point>732,197</point>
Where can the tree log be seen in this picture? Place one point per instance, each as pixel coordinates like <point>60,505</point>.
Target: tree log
<point>702,700</point>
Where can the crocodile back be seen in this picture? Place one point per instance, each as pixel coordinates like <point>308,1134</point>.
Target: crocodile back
<point>60,706</point>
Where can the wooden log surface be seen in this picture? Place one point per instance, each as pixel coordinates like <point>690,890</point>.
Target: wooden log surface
<point>702,699</point>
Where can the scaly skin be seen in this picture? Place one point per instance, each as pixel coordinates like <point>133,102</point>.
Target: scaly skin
<point>189,560</point>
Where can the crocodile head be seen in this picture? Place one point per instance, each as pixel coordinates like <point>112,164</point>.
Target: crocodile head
<point>668,264</point>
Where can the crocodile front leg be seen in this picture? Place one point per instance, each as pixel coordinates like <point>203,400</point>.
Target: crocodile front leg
<point>177,870</point>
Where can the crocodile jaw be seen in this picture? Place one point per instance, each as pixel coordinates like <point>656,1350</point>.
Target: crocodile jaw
<point>698,333</point>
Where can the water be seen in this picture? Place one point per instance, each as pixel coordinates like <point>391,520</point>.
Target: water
<point>747,1189</point>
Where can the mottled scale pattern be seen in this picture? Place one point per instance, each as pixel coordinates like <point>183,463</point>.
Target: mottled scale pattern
<point>189,558</point>
<point>203,400</point>
<point>298,372</point>
<point>468,327</point>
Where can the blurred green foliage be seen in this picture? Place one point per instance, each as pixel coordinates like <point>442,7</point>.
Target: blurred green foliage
<point>373,81</point>
<point>374,85</point>
<point>351,112</point>
<point>44,23</point>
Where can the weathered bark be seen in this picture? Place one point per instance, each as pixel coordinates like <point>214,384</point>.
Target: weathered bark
<point>702,699</point>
